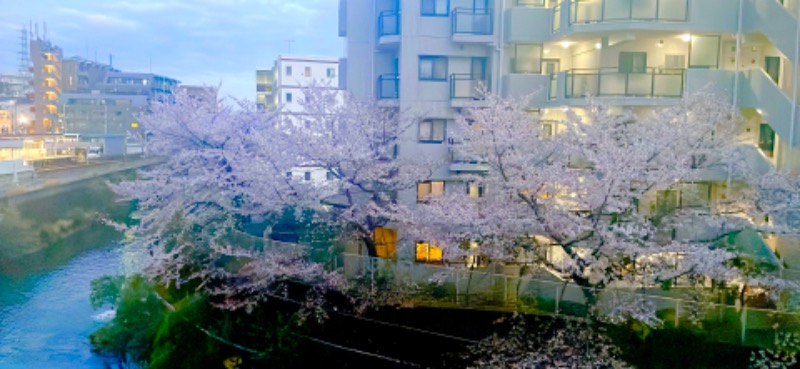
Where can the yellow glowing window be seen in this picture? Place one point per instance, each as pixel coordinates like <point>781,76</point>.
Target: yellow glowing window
<point>429,188</point>
<point>385,242</point>
<point>428,254</point>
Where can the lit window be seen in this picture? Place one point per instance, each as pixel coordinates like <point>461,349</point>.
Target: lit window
<point>474,190</point>
<point>428,254</point>
<point>432,68</point>
<point>432,130</point>
<point>429,189</point>
<point>385,242</point>
<point>435,8</point>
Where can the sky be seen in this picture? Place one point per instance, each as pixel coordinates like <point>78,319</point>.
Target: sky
<point>199,42</point>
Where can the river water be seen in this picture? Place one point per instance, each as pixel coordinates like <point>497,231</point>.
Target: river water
<point>46,317</point>
<point>51,248</point>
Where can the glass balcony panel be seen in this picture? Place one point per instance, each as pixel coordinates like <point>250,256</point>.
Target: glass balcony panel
<point>644,9</point>
<point>672,10</point>
<point>466,86</point>
<point>586,11</point>
<point>612,84</point>
<point>639,84</point>
<point>389,23</point>
<point>472,22</point>
<point>556,19</point>
<point>617,9</point>
<point>388,86</point>
<point>590,11</point>
<point>668,85</point>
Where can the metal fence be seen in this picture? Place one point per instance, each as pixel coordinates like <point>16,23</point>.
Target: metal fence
<point>446,286</point>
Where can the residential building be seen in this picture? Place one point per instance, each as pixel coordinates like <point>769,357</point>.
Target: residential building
<point>432,57</point>
<point>99,99</point>
<point>265,78</point>
<point>46,59</point>
<point>282,86</point>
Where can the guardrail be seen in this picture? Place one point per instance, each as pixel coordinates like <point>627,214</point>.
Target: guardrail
<point>445,286</point>
<point>388,86</point>
<point>389,23</point>
<point>467,86</point>
<point>469,21</point>
<point>652,82</point>
<point>594,11</point>
<point>453,287</point>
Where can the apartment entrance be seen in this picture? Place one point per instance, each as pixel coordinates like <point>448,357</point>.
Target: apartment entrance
<point>551,66</point>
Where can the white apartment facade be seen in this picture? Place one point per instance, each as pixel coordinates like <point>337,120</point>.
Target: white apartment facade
<point>428,56</point>
<point>282,86</point>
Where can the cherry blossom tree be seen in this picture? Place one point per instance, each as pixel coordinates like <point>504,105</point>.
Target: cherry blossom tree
<point>226,165</point>
<point>598,203</point>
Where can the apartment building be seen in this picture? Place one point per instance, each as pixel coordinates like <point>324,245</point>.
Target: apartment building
<point>46,59</point>
<point>429,57</point>
<point>100,99</point>
<point>282,86</point>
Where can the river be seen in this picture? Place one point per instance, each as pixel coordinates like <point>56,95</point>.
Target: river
<point>50,251</point>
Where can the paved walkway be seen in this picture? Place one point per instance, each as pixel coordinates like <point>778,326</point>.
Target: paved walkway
<point>32,181</point>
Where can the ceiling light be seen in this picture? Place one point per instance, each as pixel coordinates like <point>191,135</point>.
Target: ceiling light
<point>565,44</point>
<point>686,37</point>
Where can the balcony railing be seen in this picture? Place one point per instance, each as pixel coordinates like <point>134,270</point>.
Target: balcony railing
<point>592,11</point>
<point>556,18</point>
<point>388,86</point>
<point>532,3</point>
<point>552,90</point>
<point>469,21</point>
<point>611,82</point>
<point>468,86</point>
<point>389,23</point>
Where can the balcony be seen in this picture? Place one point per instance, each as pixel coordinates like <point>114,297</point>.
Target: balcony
<point>595,11</point>
<point>472,25</point>
<point>467,90</point>
<point>389,27</point>
<point>610,82</point>
<point>463,161</point>
<point>519,24</point>
<point>533,86</point>
<point>388,90</point>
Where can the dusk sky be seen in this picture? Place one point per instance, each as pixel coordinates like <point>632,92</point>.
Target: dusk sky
<point>196,41</point>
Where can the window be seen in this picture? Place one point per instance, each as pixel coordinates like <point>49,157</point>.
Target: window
<point>385,242</point>
<point>435,8</point>
<point>766,139</point>
<point>288,97</point>
<point>329,176</point>
<point>331,73</point>
<point>528,58</point>
<point>429,189</point>
<point>474,190</point>
<point>427,253</point>
<point>288,70</point>
<point>307,72</point>
<point>632,62</point>
<point>432,68</point>
<point>432,130</point>
<point>307,176</point>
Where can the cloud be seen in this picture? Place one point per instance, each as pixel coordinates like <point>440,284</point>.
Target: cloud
<point>101,20</point>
